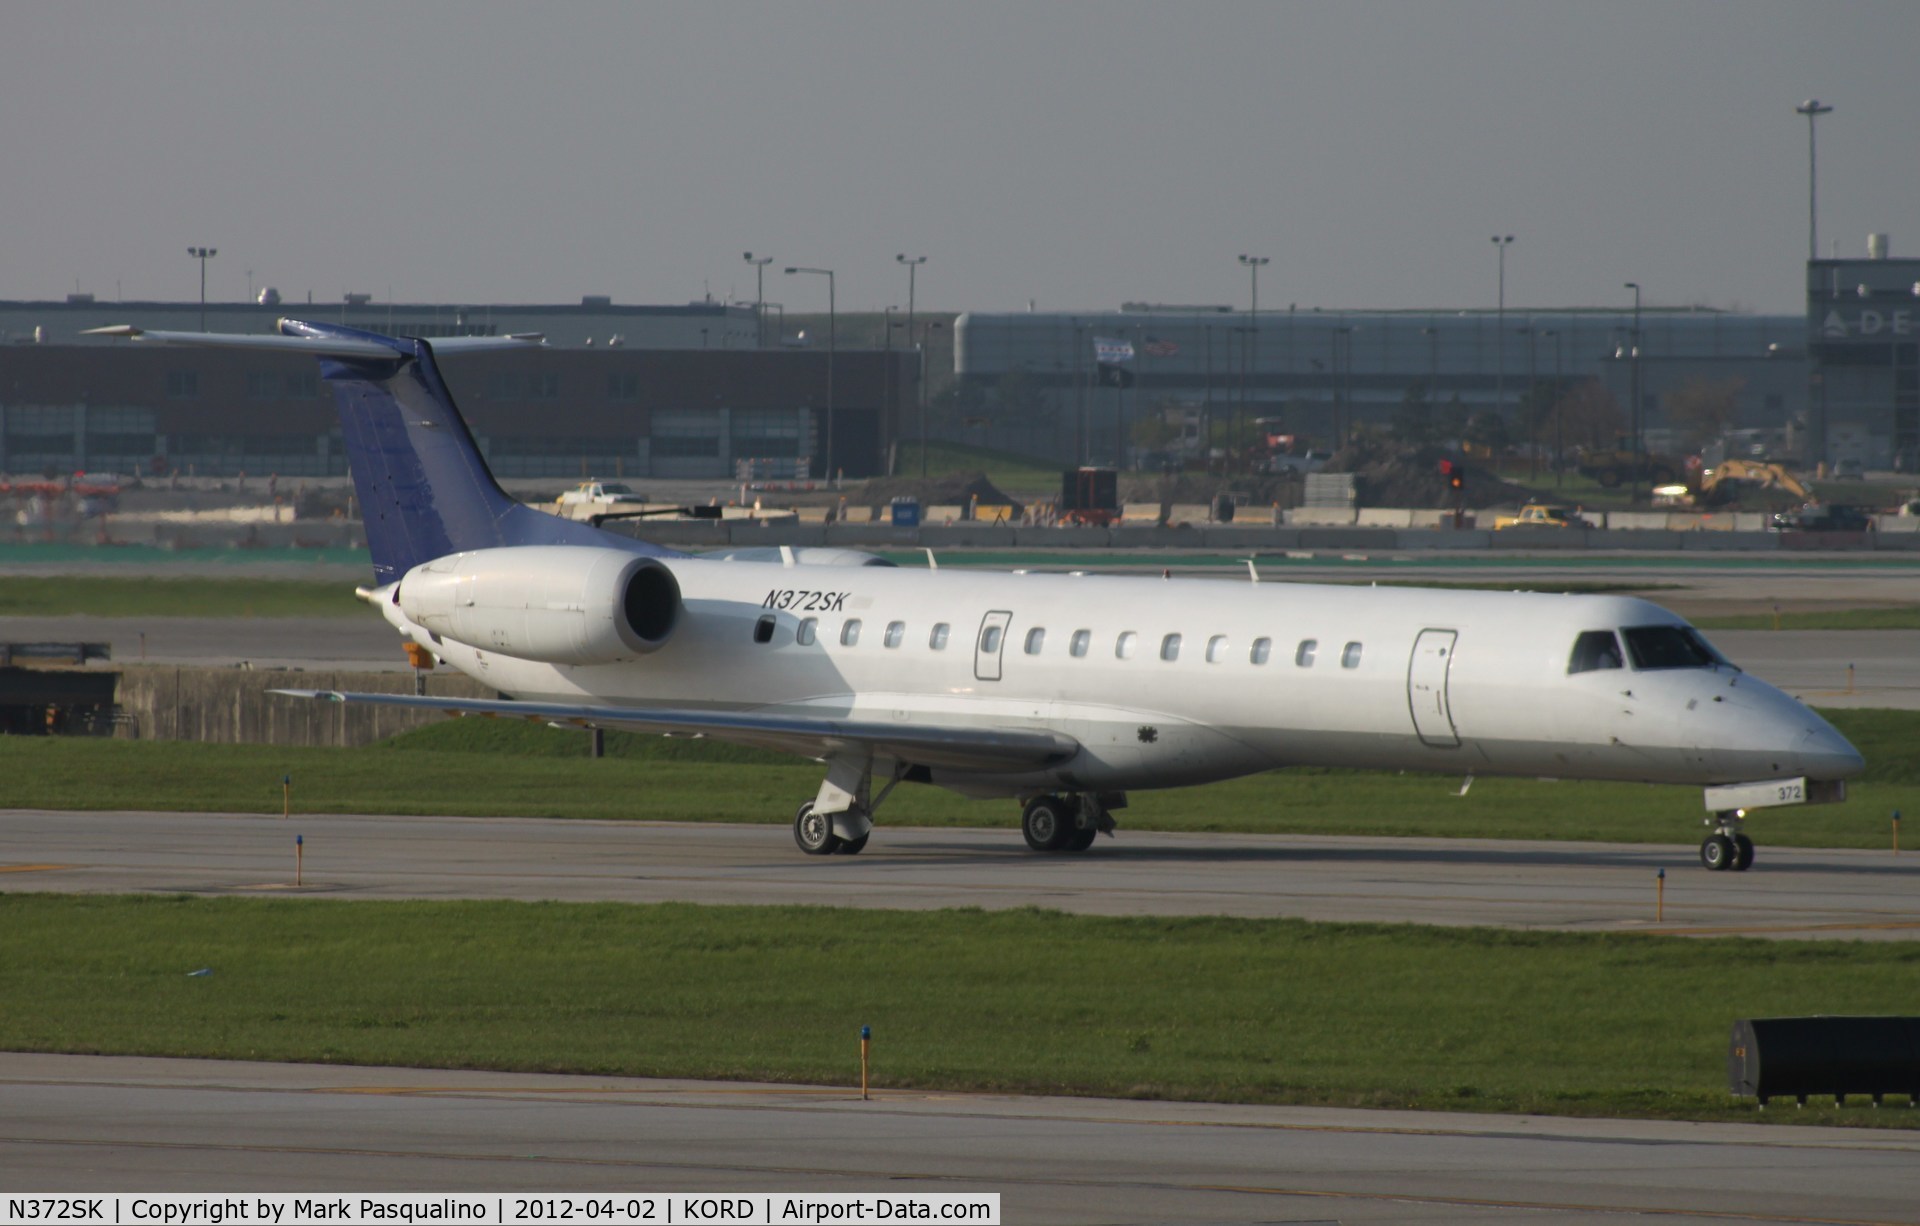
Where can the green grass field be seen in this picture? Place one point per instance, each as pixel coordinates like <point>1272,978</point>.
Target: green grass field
<point>1026,1001</point>
<point>111,596</point>
<point>495,768</point>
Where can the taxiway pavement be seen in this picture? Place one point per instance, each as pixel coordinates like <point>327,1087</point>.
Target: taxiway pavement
<point>107,1124</point>
<point>1582,887</point>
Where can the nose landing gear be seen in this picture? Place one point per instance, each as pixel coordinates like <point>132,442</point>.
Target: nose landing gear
<point>1727,848</point>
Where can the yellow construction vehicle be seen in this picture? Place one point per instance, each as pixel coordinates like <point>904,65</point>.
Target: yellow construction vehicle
<point>1727,480</point>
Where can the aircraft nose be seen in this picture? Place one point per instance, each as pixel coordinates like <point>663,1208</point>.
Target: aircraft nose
<point>1825,754</point>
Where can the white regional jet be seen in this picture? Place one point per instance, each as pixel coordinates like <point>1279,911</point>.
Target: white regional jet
<point>1064,692</point>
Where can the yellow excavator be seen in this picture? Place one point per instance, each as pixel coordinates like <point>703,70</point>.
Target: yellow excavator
<point>1726,481</point>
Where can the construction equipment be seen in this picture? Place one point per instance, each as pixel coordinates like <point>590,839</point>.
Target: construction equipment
<point>1727,480</point>
<point>1089,496</point>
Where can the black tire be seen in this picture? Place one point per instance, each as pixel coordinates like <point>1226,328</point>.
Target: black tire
<point>1717,852</point>
<point>1742,853</point>
<point>1047,823</point>
<point>814,834</point>
<point>853,847</point>
<point>1082,838</point>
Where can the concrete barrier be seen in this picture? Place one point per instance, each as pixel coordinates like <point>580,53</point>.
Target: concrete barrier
<point>1639,521</point>
<point>1631,538</point>
<point>1445,538</point>
<point>1748,542</point>
<point>1071,536</point>
<point>1383,517</point>
<point>1250,538</point>
<point>231,706</point>
<point>962,535</point>
<point>1349,539</point>
<point>1148,536</point>
<point>1542,539</point>
<point>1321,517</point>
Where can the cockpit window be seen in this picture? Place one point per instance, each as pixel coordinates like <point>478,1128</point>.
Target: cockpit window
<point>1595,649</point>
<point>1652,647</point>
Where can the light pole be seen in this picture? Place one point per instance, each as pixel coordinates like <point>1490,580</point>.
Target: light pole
<point>203,254</point>
<point>1812,108</point>
<point>1559,397</point>
<point>1500,328</point>
<point>1252,356</point>
<point>760,294</point>
<point>1433,373</point>
<point>1633,418</point>
<point>1533,407</point>
<point>831,318</point>
<point>920,372</point>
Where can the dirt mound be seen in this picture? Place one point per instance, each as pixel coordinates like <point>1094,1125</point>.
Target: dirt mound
<point>1389,474</point>
<point>953,489</point>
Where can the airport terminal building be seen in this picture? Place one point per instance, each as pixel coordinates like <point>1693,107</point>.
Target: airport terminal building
<point>1318,373</point>
<point>1841,382</point>
<point>628,391</point>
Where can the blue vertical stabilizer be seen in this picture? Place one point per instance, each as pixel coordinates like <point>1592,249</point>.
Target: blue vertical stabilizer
<point>424,489</point>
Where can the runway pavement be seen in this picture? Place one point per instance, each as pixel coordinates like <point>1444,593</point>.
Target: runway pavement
<point>1581,887</point>
<point>107,1124</point>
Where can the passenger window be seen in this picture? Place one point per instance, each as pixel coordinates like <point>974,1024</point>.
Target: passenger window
<point>850,633</point>
<point>1170,647</point>
<point>990,640</point>
<point>895,632</point>
<point>763,629</point>
<point>1593,650</point>
<point>938,639</point>
<point>1350,658</point>
<point>1216,649</point>
<point>1262,648</point>
<point>1035,638</point>
<point>1304,656</point>
<point>803,634</point>
<point>1082,639</point>
<point>1124,645</point>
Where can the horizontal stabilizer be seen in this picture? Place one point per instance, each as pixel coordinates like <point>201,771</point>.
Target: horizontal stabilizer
<point>967,749</point>
<point>296,337</point>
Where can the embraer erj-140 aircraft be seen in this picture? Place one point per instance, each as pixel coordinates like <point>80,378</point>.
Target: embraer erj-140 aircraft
<point>1065,692</point>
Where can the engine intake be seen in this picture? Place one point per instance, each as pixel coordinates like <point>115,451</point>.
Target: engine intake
<point>555,604</point>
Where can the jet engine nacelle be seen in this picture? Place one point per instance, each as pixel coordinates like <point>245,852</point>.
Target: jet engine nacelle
<point>556,604</point>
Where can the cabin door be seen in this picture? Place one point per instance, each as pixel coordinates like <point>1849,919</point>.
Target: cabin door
<point>1427,687</point>
<point>989,644</point>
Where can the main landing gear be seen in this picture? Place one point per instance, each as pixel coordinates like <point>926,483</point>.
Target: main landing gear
<point>814,832</point>
<point>1067,823</point>
<point>1727,848</point>
<point>839,820</point>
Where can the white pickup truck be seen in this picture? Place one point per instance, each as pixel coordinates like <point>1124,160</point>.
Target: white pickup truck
<point>594,498</point>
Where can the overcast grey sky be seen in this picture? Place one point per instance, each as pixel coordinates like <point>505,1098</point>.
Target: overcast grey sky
<point>1076,155</point>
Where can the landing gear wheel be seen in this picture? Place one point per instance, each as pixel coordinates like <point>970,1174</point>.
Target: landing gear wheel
<point>1082,837</point>
<point>1718,852</point>
<point>814,832</point>
<point>1742,853</point>
<point>853,847</point>
<point>1047,823</point>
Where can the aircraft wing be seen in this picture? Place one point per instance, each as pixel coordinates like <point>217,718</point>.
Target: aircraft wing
<point>968,749</point>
